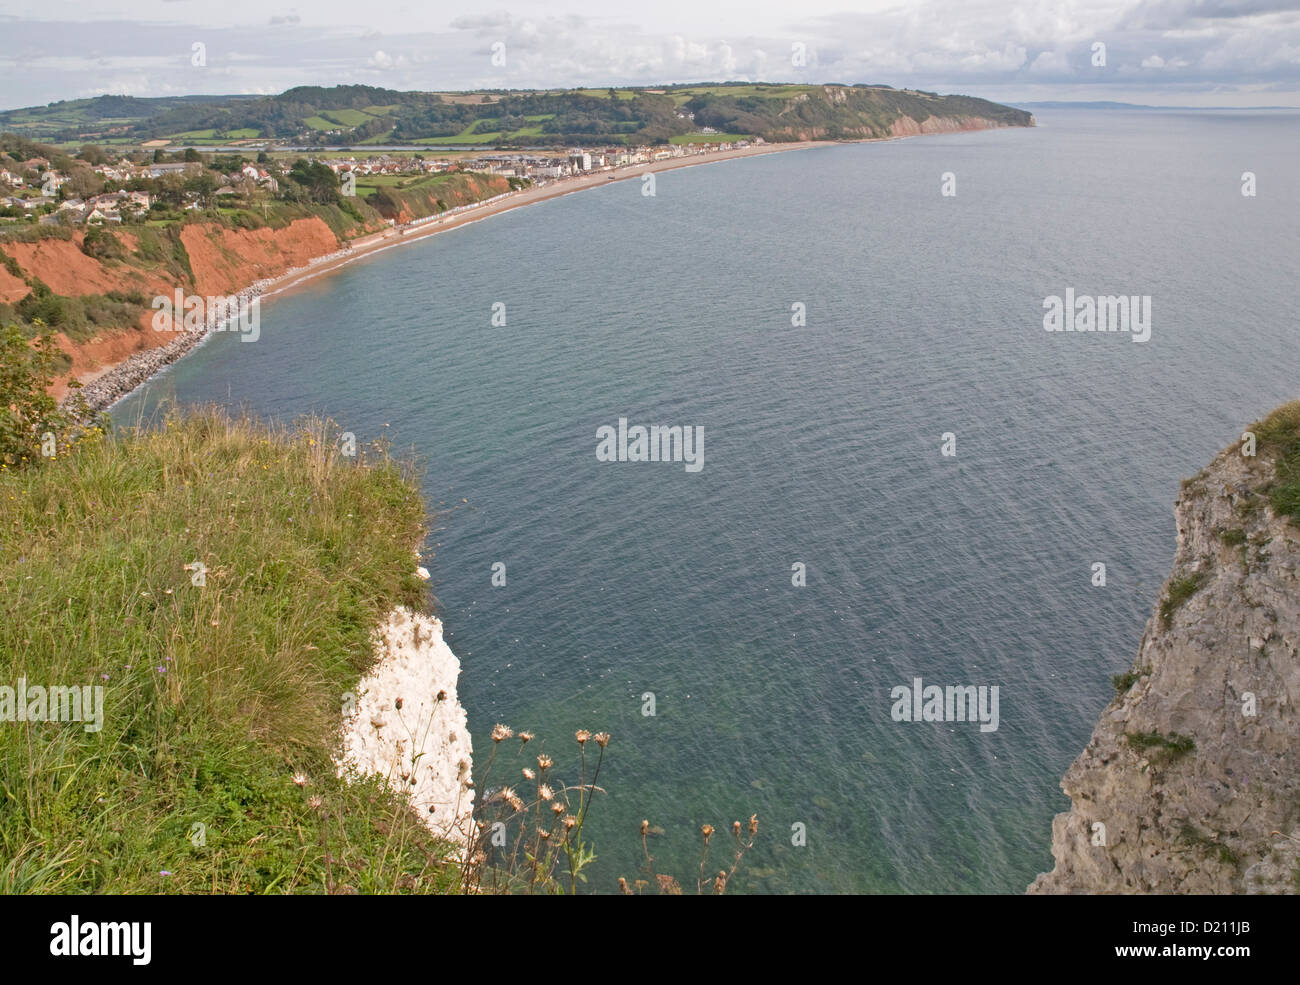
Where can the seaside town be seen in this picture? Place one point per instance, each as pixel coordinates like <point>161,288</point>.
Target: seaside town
<point>99,191</point>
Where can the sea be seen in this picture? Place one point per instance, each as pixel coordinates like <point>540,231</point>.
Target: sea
<point>903,475</point>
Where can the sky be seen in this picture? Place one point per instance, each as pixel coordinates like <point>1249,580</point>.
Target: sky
<point>1158,52</point>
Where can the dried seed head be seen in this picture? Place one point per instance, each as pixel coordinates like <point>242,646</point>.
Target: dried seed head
<point>707,831</point>
<point>500,732</point>
<point>511,798</point>
<point>623,887</point>
<point>557,808</point>
<point>602,739</point>
<point>753,824</point>
<point>530,775</point>
<point>735,828</point>
<point>544,761</point>
<point>569,822</point>
<point>525,738</point>
<point>545,792</point>
<point>582,735</point>
<point>645,826</point>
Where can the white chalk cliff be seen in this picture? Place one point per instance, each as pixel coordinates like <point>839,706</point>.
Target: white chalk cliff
<point>408,726</point>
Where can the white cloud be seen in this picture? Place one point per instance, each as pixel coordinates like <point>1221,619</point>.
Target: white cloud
<point>997,47</point>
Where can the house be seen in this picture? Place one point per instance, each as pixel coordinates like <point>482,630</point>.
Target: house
<point>11,178</point>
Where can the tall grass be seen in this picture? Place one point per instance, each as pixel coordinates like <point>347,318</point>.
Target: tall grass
<point>220,580</point>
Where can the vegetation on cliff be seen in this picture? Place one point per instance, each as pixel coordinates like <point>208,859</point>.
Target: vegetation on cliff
<point>1189,782</point>
<point>219,580</point>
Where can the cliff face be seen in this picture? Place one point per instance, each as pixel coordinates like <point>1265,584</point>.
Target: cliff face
<point>217,261</point>
<point>407,725</point>
<point>1191,780</point>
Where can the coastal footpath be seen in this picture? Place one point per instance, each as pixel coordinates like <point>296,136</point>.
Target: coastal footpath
<point>1191,782</point>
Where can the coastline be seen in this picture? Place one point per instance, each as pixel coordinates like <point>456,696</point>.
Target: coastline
<point>104,387</point>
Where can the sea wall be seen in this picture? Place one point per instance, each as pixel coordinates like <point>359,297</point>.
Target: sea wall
<point>1191,780</point>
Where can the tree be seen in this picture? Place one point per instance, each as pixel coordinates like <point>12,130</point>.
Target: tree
<point>27,411</point>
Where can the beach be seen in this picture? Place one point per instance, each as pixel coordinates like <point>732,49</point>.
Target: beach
<point>106,385</point>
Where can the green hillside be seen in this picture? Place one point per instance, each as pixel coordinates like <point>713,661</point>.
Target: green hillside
<point>357,115</point>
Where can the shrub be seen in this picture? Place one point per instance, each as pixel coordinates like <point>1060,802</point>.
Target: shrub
<point>102,244</point>
<point>1173,745</point>
<point>27,411</point>
<point>1180,590</point>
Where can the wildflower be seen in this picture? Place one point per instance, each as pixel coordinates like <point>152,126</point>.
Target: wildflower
<point>557,808</point>
<point>753,824</point>
<point>163,872</point>
<point>161,670</point>
<point>500,732</point>
<point>707,831</point>
<point>529,774</point>
<point>314,802</point>
<point>569,822</point>
<point>545,792</point>
<point>543,834</point>
<point>582,735</point>
<point>602,739</point>
<point>544,761</point>
<point>525,738</point>
<point>512,798</point>
<point>300,779</point>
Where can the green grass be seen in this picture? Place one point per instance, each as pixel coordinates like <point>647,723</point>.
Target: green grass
<point>347,117</point>
<point>1180,590</point>
<point>708,138</point>
<point>469,135</point>
<point>1278,437</point>
<point>1233,537</point>
<point>624,94</point>
<point>1173,745</point>
<point>1125,681</point>
<point>319,123</point>
<point>214,696</point>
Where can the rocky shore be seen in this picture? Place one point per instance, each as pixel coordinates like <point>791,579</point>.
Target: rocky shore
<point>1191,780</point>
<point>111,386</point>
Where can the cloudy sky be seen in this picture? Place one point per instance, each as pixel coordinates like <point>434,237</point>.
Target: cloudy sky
<point>1163,52</point>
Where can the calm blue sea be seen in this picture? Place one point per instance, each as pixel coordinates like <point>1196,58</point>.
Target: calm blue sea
<point>822,447</point>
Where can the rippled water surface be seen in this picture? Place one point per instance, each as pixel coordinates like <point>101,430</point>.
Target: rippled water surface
<point>822,446</point>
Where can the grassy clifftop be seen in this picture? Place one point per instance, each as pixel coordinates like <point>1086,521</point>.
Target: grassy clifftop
<point>222,684</point>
